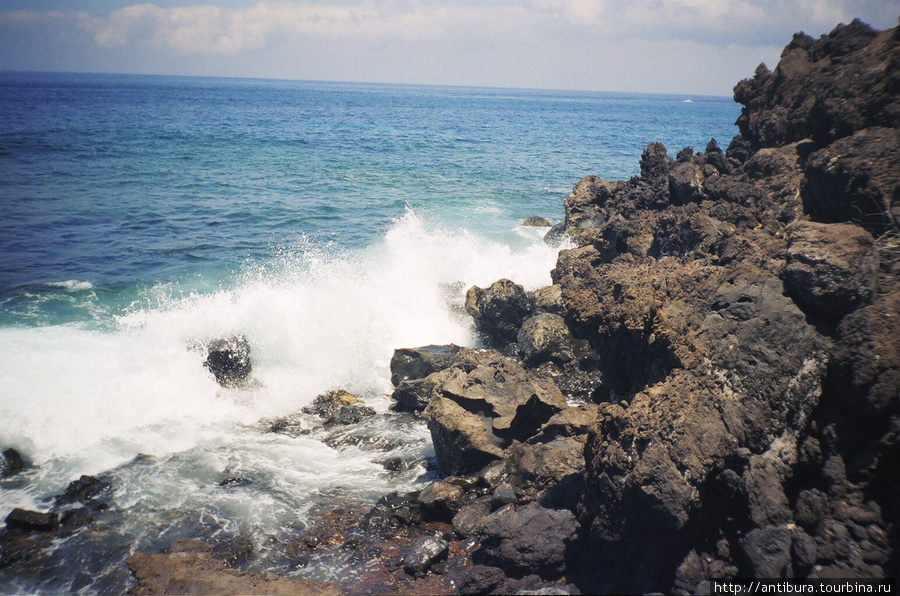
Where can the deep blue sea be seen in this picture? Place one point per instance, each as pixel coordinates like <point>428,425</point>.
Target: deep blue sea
<point>142,216</point>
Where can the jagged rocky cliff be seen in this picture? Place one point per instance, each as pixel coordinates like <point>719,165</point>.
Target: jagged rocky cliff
<point>732,319</point>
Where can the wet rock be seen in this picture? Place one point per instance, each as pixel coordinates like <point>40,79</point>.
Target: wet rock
<point>528,540</point>
<point>498,311</point>
<point>414,395</point>
<point>87,490</point>
<point>11,463</point>
<point>544,338</point>
<point>536,222</point>
<point>830,267</point>
<point>417,363</point>
<point>339,408</point>
<point>423,553</point>
<point>228,360</point>
<point>441,500</point>
<point>32,521</point>
<point>191,568</point>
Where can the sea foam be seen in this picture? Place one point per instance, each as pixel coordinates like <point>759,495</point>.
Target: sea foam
<point>80,400</point>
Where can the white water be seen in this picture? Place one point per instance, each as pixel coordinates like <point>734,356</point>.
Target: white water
<point>81,401</point>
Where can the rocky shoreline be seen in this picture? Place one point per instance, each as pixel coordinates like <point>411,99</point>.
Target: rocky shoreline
<point>710,388</point>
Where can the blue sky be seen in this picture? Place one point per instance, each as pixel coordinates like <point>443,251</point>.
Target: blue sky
<point>688,47</point>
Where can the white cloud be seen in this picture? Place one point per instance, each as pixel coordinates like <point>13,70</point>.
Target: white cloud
<point>705,45</point>
<point>229,31</point>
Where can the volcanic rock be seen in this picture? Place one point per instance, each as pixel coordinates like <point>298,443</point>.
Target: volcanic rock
<point>498,311</point>
<point>11,463</point>
<point>191,568</point>
<point>528,540</point>
<point>229,360</point>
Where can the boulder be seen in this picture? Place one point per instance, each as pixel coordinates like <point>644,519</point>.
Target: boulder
<point>32,521</point>
<point>417,363</point>
<point>461,441</point>
<point>87,490</point>
<point>575,422</point>
<point>423,553</point>
<point>830,267</point>
<point>228,360</point>
<point>11,463</point>
<point>686,183</point>
<point>544,338</point>
<point>528,540</point>
<point>548,300</point>
<point>509,403</point>
<point>768,551</point>
<point>441,500</point>
<point>498,311</point>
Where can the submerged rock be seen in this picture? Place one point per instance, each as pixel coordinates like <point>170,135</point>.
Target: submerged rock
<point>483,403</point>
<point>191,567</point>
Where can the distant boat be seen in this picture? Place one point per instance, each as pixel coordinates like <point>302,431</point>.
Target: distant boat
<point>687,101</point>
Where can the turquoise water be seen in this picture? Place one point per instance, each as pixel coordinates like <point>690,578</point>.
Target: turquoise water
<point>144,216</point>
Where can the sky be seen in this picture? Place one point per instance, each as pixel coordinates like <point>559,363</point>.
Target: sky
<point>686,47</point>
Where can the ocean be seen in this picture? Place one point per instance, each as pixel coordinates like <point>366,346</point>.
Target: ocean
<point>328,223</point>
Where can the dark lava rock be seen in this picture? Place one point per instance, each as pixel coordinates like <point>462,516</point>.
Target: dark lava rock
<point>481,579</point>
<point>854,180</point>
<point>87,490</point>
<point>769,552</point>
<point>823,89</point>
<point>423,553</point>
<point>229,360</point>
<point>528,540</point>
<point>32,521</point>
<point>11,463</point>
<point>498,311</point>
<point>548,300</point>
